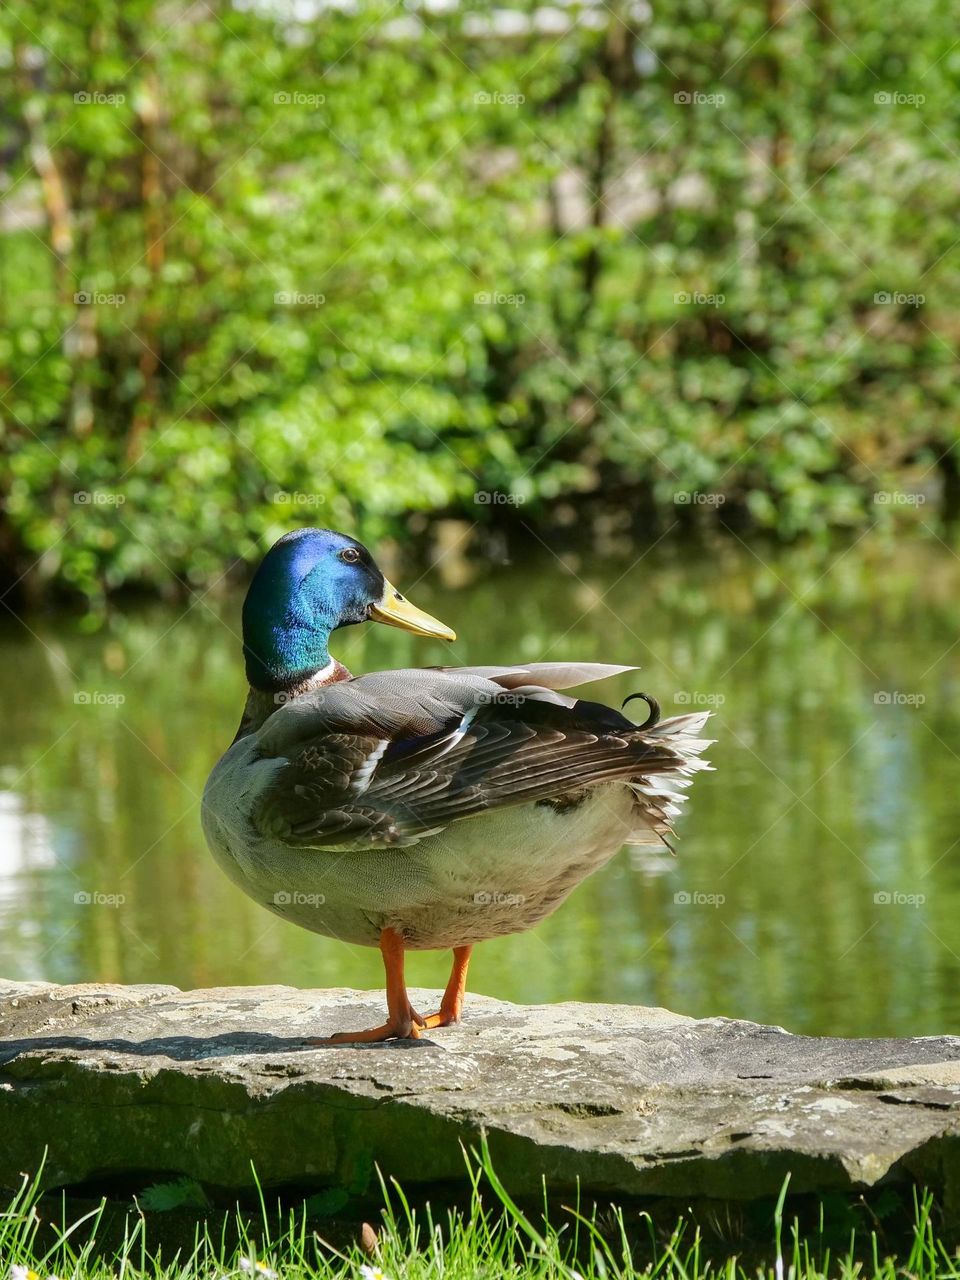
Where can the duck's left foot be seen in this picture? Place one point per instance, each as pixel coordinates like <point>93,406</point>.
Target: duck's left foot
<point>403,1022</point>
<point>373,1035</point>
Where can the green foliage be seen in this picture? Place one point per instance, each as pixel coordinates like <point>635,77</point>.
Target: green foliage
<point>326,1203</point>
<point>490,1236</point>
<point>181,1194</point>
<point>334,1200</point>
<point>288,222</point>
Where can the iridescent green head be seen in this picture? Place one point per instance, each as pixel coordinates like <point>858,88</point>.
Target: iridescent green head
<point>310,583</point>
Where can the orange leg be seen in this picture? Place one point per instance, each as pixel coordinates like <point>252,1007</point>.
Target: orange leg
<point>402,1021</point>
<point>451,1006</point>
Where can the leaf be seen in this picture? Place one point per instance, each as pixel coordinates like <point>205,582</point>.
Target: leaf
<point>362,1172</point>
<point>164,1196</point>
<point>326,1203</point>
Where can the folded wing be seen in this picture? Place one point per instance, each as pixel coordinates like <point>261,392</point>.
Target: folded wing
<point>389,758</point>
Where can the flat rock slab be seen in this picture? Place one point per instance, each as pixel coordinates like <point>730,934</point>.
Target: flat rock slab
<point>147,1082</point>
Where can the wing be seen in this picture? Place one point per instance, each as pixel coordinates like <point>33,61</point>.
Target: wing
<point>389,758</point>
<point>547,675</point>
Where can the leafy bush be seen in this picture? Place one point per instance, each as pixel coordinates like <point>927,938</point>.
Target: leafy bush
<point>264,269</point>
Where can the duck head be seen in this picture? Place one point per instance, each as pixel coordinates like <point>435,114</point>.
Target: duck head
<point>310,583</point>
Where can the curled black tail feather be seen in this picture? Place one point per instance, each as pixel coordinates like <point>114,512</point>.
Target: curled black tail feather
<point>654,717</point>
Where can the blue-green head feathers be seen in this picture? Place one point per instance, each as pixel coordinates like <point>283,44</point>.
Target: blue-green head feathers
<point>310,582</point>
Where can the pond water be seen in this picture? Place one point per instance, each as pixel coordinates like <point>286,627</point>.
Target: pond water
<point>817,882</point>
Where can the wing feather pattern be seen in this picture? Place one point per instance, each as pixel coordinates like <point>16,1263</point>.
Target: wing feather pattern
<point>388,758</point>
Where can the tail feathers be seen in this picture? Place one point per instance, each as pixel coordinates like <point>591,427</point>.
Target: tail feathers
<point>660,795</point>
<point>688,725</point>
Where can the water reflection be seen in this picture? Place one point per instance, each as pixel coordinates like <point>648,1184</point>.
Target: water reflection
<point>834,672</point>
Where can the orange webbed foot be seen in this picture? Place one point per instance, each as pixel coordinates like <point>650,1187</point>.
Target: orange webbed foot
<point>441,1019</point>
<point>408,1029</point>
<point>403,1021</point>
<point>451,1006</point>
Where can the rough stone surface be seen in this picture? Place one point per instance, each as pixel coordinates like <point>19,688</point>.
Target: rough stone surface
<point>141,1082</point>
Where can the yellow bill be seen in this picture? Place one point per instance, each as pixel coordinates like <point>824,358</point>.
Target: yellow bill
<point>396,611</point>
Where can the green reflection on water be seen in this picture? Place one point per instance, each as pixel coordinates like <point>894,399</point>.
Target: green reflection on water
<point>823,797</point>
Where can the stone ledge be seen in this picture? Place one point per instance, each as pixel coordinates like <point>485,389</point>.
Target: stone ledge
<point>149,1080</point>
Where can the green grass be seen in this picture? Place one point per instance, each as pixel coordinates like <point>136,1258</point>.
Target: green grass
<point>486,1237</point>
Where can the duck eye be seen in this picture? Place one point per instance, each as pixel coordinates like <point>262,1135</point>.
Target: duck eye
<point>350,555</point>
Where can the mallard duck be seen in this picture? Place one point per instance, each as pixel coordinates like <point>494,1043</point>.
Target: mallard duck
<point>421,809</point>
